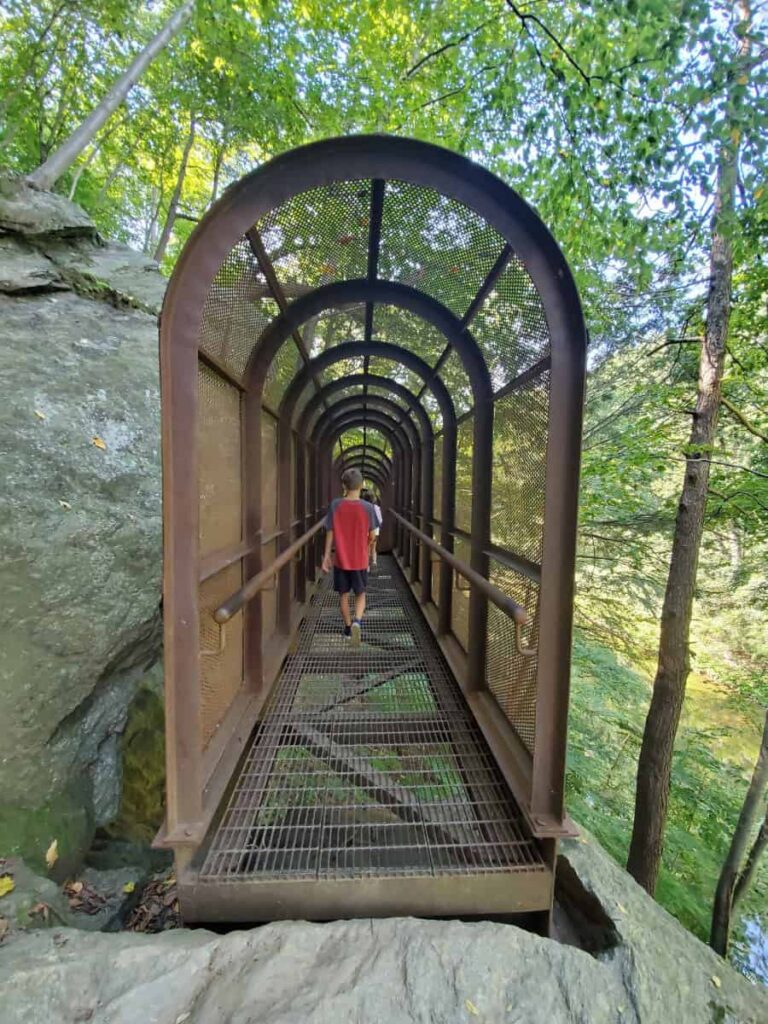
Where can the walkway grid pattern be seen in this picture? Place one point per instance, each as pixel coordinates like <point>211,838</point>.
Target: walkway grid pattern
<point>367,762</point>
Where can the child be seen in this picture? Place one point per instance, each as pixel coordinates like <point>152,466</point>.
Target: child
<point>368,496</point>
<point>351,523</point>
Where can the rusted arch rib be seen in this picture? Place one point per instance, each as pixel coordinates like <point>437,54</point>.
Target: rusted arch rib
<point>353,404</point>
<point>387,293</point>
<point>360,380</point>
<point>353,457</point>
<point>353,349</point>
<point>381,457</point>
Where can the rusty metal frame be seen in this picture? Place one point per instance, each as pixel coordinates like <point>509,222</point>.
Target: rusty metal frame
<point>377,159</point>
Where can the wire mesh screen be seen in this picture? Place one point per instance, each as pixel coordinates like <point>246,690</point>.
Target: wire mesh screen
<point>221,651</point>
<point>283,368</point>
<point>460,596</point>
<point>511,674</point>
<point>510,326</point>
<point>455,378</point>
<point>436,244</point>
<point>406,329</point>
<point>320,235</point>
<point>519,462</point>
<point>238,307</point>
<point>218,454</point>
<point>464,452</point>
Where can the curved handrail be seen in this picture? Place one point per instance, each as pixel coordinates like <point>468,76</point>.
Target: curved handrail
<point>515,611</point>
<point>249,590</point>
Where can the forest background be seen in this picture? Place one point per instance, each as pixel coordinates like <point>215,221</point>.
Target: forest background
<point>608,116</point>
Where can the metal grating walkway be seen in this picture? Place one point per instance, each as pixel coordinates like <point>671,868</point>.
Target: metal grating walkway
<point>367,763</point>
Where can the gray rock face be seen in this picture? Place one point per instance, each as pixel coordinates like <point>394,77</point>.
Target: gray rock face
<point>80,519</point>
<point>30,212</point>
<point>397,971</point>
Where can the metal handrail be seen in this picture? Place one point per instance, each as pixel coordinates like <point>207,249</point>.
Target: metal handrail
<point>515,611</point>
<point>249,590</point>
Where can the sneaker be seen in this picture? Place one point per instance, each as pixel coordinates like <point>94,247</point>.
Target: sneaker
<point>355,633</point>
<point>347,632</point>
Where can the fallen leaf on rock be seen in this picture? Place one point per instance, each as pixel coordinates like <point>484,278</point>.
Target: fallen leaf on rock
<point>183,1017</point>
<point>65,504</point>
<point>40,415</point>
<point>7,885</point>
<point>471,1008</point>
<point>716,981</point>
<point>621,907</point>
<point>52,854</point>
<point>41,910</point>
<point>98,443</point>
<point>129,887</point>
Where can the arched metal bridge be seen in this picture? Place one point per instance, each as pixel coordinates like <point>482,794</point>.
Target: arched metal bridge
<point>386,304</point>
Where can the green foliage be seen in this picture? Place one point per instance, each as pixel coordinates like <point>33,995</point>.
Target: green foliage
<point>717,746</point>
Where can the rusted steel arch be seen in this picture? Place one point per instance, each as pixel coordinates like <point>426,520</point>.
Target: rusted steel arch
<point>359,449</point>
<point>352,403</point>
<point>387,293</point>
<point>351,350</point>
<point>199,405</point>
<point>355,349</point>
<point>361,380</point>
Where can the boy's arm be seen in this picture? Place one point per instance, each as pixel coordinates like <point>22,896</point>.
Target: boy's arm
<point>327,563</point>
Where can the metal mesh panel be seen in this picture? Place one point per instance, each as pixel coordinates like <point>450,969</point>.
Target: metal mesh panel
<point>343,368</point>
<point>432,408</point>
<point>460,597</point>
<point>367,762</point>
<point>464,452</point>
<point>510,326</point>
<point>320,235</point>
<point>238,307</point>
<point>519,469</point>
<point>403,328</point>
<point>221,653</point>
<point>218,461</point>
<point>511,675</point>
<point>283,368</point>
<point>436,244</point>
<point>268,473</point>
<point>333,326</point>
<point>382,367</point>
<point>455,378</point>
<point>437,478</point>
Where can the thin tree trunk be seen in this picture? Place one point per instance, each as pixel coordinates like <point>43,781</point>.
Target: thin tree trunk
<point>174,203</point>
<point>218,161</point>
<point>110,178</point>
<point>758,848</point>
<point>729,876</point>
<point>46,176</point>
<point>655,762</point>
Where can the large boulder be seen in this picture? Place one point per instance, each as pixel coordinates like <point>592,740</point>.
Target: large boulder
<point>644,969</point>
<point>80,518</point>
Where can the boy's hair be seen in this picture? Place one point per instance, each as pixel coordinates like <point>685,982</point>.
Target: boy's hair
<point>352,479</point>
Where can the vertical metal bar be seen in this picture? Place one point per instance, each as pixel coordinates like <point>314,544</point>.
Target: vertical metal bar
<point>427,506</point>
<point>252,527</point>
<point>448,521</point>
<point>284,519</point>
<point>482,475</point>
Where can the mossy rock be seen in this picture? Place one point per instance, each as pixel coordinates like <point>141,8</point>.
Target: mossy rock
<point>142,746</point>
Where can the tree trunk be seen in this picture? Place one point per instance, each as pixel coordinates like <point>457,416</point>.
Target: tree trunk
<point>758,848</point>
<point>174,203</point>
<point>48,173</point>
<point>729,876</point>
<point>218,161</point>
<point>655,762</point>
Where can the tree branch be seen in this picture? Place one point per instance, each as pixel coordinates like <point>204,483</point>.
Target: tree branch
<point>737,414</point>
<point>447,46</point>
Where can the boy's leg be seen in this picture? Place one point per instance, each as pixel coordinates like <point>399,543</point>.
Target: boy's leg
<point>360,606</point>
<point>344,605</point>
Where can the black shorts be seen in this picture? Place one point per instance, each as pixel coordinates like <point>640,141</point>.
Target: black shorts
<point>345,580</point>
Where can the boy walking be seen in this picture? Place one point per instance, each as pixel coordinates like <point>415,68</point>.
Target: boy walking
<point>351,524</point>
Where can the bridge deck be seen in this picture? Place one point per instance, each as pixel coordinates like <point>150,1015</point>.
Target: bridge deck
<point>367,768</point>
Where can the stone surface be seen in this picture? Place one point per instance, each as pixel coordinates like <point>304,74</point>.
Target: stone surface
<point>80,519</point>
<point>35,902</point>
<point>118,903</point>
<point>31,212</point>
<point>397,971</point>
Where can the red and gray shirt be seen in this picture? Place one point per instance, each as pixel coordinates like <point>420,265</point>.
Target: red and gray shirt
<point>351,522</point>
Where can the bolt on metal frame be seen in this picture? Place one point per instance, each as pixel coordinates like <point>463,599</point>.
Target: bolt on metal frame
<point>233,305</point>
